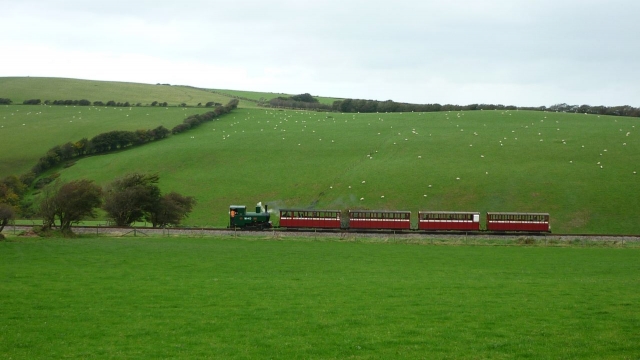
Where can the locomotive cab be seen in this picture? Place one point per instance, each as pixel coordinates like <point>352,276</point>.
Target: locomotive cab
<point>240,218</point>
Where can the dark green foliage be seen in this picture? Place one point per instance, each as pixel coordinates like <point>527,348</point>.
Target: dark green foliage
<point>127,199</point>
<point>14,184</point>
<point>27,178</point>
<point>370,106</point>
<point>232,104</point>
<point>101,143</point>
<point>180,128</point>
<point>195,120</point>
<point>7,213</point>
<point>32,102</point>
<point>46,205</point>
<point>75,201</point>
<point>137,196</point>
<point>170,210</point>
<point>42,182</point>
<point>306,97</point>
<point>290,103</point>
<point>625,110</point>
<point>5,101</point>
<point>98,103</point>
<point>160,132</point>
<point>69,202</point>
<point>9,192</point>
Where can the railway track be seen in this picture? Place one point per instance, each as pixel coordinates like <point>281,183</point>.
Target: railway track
<point>337,233</point>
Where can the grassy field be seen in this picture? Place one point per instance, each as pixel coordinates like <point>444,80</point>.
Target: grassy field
<point>256,298</point>
<point>19,89</point>
<point>269,95</point>
<point>28,131</point>
<point>431,161</point>
<point>578,168</point>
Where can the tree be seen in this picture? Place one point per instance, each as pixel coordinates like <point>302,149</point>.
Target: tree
<point>75,201</point>
<point>8,196</point>
<point>7,213</point>
<point>47,206</point>
<point>171,209</point>
<point>128,198</point>
<point>306,97</point>
<point>69,202</point>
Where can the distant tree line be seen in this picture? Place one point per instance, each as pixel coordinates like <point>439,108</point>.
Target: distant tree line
<point>371,106</point>
<point>85,102</point>
<point>302,101</point>
<point>624,110</point>
<point>5,101</point>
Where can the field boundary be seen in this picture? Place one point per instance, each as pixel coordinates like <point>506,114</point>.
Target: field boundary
<point>542,240</point>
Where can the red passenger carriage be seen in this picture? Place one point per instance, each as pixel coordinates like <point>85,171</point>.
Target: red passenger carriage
<point>507,221</point>
<point>321,219</point>
<point>375,219</point>
<point>443,220</point>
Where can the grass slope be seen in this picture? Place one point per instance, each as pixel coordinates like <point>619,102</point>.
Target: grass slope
<point>433,161</point>
<point>269,95</point>
<point>28,131</point>
<point>505,161</point>
<point>19,89</point>
<point>228,298</point>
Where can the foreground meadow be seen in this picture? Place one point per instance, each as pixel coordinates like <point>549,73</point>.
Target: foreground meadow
<point>257,298</point>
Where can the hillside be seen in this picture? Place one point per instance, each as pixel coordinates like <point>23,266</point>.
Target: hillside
<point>19,89</point>
<point>579,168</point>
<point>482,161</point>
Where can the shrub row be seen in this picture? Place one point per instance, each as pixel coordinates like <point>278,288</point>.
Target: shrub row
<point>371,106</point>
<point>195,120</point>
<point>105,142</point>
<point>290,103</point>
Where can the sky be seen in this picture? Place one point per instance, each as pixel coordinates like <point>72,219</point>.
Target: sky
<point>510,52</point>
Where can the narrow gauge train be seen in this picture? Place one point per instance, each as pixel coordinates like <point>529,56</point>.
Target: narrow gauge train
<point>240,218</point>
<point>428,221</point>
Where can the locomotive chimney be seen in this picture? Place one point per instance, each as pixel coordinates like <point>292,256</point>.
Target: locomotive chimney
<point>266,208</point>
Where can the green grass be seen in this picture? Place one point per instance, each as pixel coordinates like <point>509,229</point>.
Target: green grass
<point>242,298</point>
<point>255,95</point>
<point>288,159</point>
<point>28,131</point>
<point>19,89</point>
